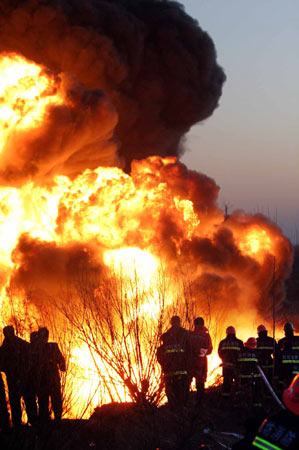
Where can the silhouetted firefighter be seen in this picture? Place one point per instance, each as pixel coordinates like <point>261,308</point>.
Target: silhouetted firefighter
<point>267,349</point>
<point>288,356</point>
<point>279,431</point>
<point>249,378</point>
<point>201,346</point>
<point>51,361</point>
<point>229,350</point>
<point>33,372</point>
<point>15,357</point>
<point>174,357</point>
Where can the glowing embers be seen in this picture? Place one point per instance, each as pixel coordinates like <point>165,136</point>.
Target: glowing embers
<point>26,90</point>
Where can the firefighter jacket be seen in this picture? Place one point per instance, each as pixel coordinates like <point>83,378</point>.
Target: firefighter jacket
<point>279,432</point>
<point>201,346</point>
<point>288,360</point>
<point>267,348</point>
<point>248,360</point>
<point>229,350</point>
<point>288,357</point>
<point>174,353</point>
<point>290,342</point>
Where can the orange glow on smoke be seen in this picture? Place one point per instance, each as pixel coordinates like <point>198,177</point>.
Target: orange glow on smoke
<point>137,225</point>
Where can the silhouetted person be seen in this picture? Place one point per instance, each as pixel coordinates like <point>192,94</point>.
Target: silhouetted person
<point>288,356</point>
<point>14,352</point>
<point>201,346</point>
<point>280,431</point>
<point>174,357</point>
<point>249,378</point>
<point>267,349</point>
<point>32,380</point>
<point>51,361</point>
<point>229,350</point>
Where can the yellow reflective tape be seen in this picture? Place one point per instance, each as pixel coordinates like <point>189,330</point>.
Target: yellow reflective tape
<point>255,375</point>
<point>265,348</point>
<point>247,359</point>
<point>264,445</point>
<point>230,348</point>
<point>178,372</point>
<point>290,361</point>
<point>175,350</point>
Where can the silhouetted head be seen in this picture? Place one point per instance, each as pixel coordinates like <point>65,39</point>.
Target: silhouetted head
<point>9,331</point>
<point>262,330</point>
<point>43,334</point>
<point>250,343</point>
<point>288,328</point>
<point>34,337</point>
<point>199,321</point>
<point>175,321</point>
<point>230,330</point>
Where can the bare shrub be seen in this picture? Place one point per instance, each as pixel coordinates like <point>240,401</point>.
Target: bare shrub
<point>120,323</point>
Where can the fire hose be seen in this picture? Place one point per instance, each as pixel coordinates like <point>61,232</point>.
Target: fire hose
<point>269,387</point>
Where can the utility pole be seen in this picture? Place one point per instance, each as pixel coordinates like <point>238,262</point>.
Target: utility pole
<point>274,299</point>
<point>274,315</point>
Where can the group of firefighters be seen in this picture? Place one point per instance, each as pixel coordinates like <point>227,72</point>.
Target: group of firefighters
<point>245,363</point>
<point>32,373</point>
<point>183,356</point>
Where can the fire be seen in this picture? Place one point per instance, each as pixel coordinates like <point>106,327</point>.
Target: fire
<point>26,91</point>
<point>256,242</point>
<point>159,230</point>
<point>131,263</point>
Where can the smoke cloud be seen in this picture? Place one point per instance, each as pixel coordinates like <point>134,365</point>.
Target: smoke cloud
<point>154,62</point>
<point>45,268</point>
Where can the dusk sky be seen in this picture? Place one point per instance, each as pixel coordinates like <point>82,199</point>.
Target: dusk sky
<point>250,144</point>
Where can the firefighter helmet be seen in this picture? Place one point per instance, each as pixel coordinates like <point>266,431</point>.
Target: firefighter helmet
<point>261,328</point>
<point>288,327</point>
<point>290,396</point>
<point>251,343</point>
<point>230,330</point>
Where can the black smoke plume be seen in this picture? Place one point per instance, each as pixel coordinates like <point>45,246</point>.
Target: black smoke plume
<point>153,60</point>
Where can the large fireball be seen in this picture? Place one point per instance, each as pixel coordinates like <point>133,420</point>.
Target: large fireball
<point>59,220</point>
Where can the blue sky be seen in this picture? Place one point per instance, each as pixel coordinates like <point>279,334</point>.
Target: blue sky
<point>250,144</point>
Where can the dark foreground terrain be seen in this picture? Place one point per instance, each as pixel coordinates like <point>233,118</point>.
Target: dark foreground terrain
<point>126,427</point>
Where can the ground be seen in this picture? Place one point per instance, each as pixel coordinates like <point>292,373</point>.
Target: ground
<point>126,427</point>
